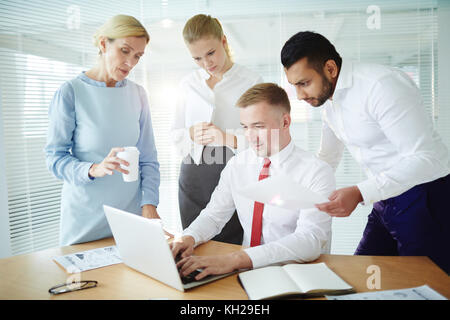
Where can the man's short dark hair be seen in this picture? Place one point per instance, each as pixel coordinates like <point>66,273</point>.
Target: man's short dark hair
<point>315,47</point>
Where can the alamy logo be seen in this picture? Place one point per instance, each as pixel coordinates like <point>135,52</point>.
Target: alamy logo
<point>374,20</point>
<point>374,280</point>
<point>73,19</point>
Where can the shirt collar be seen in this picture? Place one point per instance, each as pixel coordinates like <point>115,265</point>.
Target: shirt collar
<point>205,75</point>
<point>93,82</point>
<point>345,78</point>
<point>230,71</point>
<point>277,159</point>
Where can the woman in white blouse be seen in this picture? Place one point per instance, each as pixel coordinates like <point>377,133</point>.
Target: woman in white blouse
<point>206,128</point>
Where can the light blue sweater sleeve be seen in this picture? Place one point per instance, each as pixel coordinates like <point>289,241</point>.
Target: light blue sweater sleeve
<point>148,160</point>
<point>62,122</point>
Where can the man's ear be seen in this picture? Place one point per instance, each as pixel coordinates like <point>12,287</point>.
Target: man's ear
<point>286,120</point>
<point>331,69</point>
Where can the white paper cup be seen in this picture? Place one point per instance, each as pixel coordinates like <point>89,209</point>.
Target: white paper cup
<point>131,155</point>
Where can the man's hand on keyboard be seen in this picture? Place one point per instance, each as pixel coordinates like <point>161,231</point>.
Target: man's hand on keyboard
<point>182,247</point>
<point>210,265</point>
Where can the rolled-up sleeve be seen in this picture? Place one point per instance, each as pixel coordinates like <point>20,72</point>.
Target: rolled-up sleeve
<point>62,123</point>
<point>148,159</point>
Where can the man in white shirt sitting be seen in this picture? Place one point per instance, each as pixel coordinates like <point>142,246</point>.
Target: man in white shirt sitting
<point>378,114</point>
<point>271,234</point>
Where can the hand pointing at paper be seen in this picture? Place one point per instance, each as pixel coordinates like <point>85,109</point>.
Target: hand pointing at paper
<point>342,202</point>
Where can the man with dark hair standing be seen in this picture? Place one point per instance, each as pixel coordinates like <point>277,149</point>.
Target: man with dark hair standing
<point>377,113</point>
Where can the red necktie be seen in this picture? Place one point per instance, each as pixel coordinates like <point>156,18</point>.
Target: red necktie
<point>258,210</point>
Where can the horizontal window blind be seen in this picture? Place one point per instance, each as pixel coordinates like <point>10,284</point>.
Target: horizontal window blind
<point>33,194</point>
<point>44,43</point>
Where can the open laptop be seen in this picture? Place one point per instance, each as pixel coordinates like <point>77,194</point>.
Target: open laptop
<point>143,246</point>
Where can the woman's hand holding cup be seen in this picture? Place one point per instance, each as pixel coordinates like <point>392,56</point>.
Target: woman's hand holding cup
<point>108,165</point>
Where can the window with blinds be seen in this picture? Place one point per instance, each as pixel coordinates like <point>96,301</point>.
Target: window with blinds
<point>45,43</point>
<point>33,194</point>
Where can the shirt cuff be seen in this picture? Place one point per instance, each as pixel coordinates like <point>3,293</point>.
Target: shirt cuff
<point>196,237</point>
<point>369,191</point>
<point>181,141</point>
<point>85,178</point>
<point>257,256</point>
<point>149,195</point>
<point>151,202</point>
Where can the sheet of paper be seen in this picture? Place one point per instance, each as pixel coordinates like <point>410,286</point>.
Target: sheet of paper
<point>281,191</point>
<point>91,259</point>
<point>419,293</point>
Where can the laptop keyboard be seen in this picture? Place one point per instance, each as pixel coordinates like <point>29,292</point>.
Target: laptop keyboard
<point>190,277</point>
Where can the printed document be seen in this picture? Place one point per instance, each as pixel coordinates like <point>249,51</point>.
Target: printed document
<point>91,259</point>
<point>419,293</point>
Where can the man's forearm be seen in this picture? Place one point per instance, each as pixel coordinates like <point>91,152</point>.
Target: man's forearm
<point>240,260</point>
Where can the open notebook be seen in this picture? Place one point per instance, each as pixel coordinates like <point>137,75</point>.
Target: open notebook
<point>305,280</point>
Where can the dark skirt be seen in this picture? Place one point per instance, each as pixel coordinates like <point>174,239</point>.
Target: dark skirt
<point>197,183</point>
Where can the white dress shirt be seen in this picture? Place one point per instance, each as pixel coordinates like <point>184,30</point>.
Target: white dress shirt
<point>378,114</point>
<point>197,102</point>
<point>299,235</point>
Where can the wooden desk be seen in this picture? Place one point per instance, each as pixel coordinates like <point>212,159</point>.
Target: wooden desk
<point>30,276</point>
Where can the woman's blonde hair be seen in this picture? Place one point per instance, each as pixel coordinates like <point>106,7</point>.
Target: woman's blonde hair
<point>120,26</point>
<point>202,26</point>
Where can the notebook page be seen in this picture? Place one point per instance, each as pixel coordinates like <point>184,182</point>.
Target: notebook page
<point>316,276</point>
<point>267,282</point>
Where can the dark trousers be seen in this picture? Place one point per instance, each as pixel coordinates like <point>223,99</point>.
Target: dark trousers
<point>415,223</point>
<point>197,183</point>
